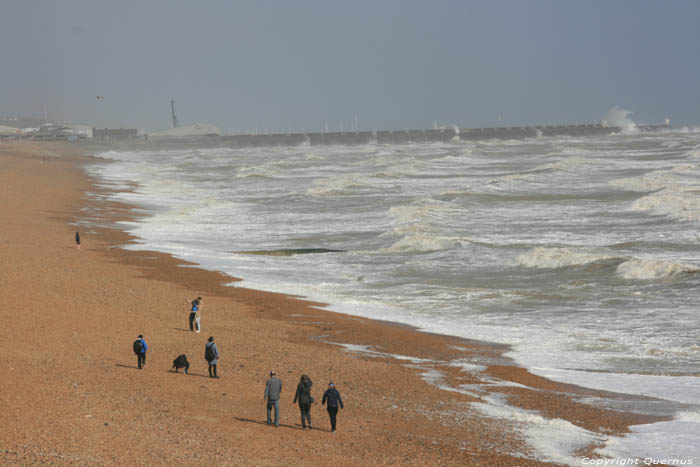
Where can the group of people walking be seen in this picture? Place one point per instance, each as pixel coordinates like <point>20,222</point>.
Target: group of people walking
<point>273,389</point>
<point>273,386</point>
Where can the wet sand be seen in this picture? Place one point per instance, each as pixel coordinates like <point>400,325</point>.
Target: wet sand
<point>72,394</point>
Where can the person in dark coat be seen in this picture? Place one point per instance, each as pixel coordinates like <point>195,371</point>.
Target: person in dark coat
<point>332,396</point>
<point>181,362</point>
<point>211,354</point>
<point>140,348</point>
<point>77,240</point>
<point>303,395</point>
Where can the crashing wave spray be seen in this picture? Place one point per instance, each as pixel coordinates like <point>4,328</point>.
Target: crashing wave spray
<point>620,118</point>
<point>456,130</point>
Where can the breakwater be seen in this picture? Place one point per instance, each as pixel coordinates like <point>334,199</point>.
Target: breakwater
<point>422,136</point>
<point>372,137</point>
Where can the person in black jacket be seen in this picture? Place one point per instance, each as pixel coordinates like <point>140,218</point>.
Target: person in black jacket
<point>211,355</point>
<point>181,362</point>
<point>333,397</point>
<point>304,396</point>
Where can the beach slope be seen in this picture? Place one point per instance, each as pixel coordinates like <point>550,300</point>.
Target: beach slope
<point>72,394</point>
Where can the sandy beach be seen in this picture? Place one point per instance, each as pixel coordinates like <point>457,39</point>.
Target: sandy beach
<point>72,394</point>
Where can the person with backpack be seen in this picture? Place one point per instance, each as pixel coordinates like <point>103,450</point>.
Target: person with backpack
<point>195,306</point>
<point>140,348</point>
<point>211,355</point>
<point>304,396</point>
<point>181,362</point>
<point>332,396</point>
<point>273,388</point>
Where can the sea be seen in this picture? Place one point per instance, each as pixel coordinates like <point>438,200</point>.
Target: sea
<point>581,253</point>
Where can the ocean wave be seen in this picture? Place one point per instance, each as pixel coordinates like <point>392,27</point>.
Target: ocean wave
<point>674,193</point>
<point>680,204</point>
<point>684,176</point>
<point>258,171</point>
<point>652,269</point>
<point>422,243</point>
<point>417,212</point>
<point>688,129</point>
<point>693,153</point>
<point>552,258</point>
<point>338,184</point>
<point>627,268</point>
<point>568,164</point>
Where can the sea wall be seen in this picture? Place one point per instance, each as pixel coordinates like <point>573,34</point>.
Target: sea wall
<point>366,137</point>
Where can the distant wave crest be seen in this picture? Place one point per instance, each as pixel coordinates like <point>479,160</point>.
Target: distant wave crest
<point>675,192</point>
<point>546,258</point>
<point>423,243</point>
<point>651,269</point>
<point>339,184</point>
<point>627,268</point>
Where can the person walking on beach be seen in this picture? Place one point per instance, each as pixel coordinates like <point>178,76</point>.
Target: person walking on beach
<point>195,304</point>
<point>140,348</point>
<point>332,396</point>
<point>211,355</point>
<point>303,395</point>
<point>77,240</point>
<point>273,388</point>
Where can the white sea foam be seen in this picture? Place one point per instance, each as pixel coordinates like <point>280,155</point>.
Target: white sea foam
<point>542,257</point>
<point>682,204</point>
<point>675,442</point>
<point>552,440</point>
<point>338,184</point>
<point>422,243</point>
<point>652,269</point>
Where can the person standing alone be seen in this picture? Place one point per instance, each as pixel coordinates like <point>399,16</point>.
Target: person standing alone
<point>140,348</point>
<point>273,388</point>
<point>332,396</point>
<point>211,355</point>
<point>196,304</point>
<point>77,240</point>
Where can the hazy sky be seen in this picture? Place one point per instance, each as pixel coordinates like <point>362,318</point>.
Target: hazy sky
<point>296,64</point>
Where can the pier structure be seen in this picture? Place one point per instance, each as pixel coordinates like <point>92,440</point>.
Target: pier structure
<point>423,136</point>
<point>385,137</point>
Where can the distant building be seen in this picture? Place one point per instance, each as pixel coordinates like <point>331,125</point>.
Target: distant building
<point>109,134</point>
<point>9,132</point>
<point>81,131</point>
<point>51,132</point>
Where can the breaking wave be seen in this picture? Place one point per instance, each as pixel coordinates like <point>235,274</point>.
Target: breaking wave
<point>339,184</point>
<point>550,258</point>
<point>620,118</point>
<point>631,269</point>
<point>651,269</point>
<point>678,204</point>
<point>423,243</point>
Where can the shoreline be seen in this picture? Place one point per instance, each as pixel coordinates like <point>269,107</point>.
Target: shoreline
<point>264,330</point>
